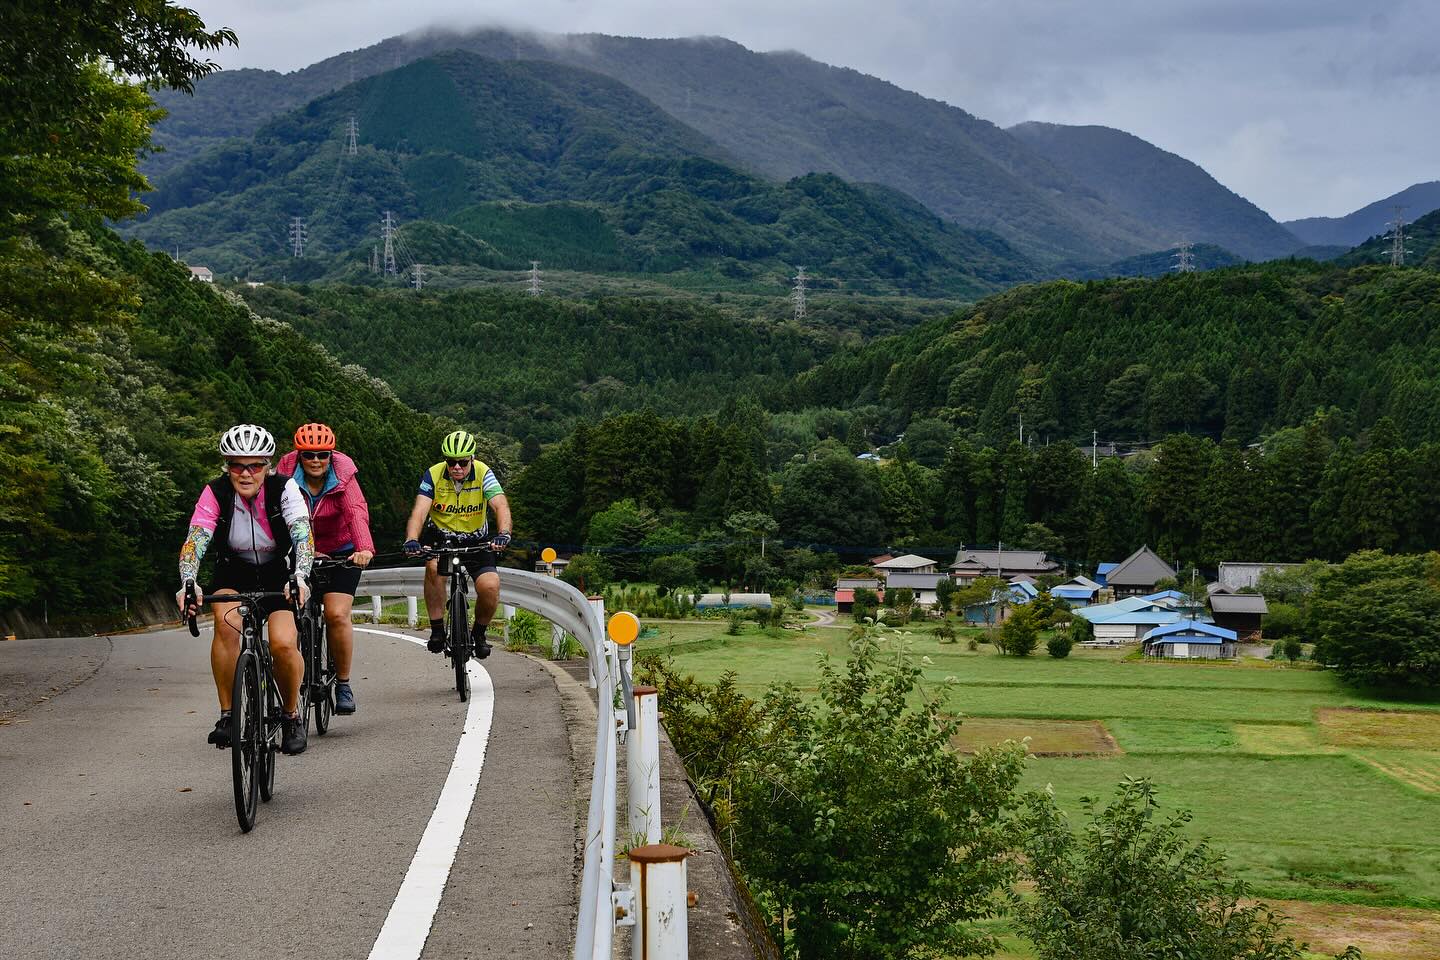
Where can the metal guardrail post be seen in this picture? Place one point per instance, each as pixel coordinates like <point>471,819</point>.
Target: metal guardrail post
<point>642,767</point>
<point>662,919</point>
<point>377,605</point>
<point>412,612</point>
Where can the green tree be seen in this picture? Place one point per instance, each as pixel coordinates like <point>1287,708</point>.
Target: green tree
<point>1376,619</point>
<point>588,571</point>
<point>1174,494</point>
<point>671,571</point>
<point>1020,632</point>
<point>1131,886</point>
<point>621,530</point>
<point>862,828</point>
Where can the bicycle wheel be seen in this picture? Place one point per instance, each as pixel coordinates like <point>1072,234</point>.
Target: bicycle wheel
<point>460,643</point>
<point>305,629</point>
<point>245,730</point>
<point>269,733</point>
<point>323,693</point>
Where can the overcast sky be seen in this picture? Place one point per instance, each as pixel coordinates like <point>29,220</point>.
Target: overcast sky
<point>1305,107</point>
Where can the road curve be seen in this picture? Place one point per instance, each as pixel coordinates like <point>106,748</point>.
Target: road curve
<point>117,829</point>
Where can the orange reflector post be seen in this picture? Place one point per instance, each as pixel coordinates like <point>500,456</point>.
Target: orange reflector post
<point>624,627</point>
<point>548,554</point>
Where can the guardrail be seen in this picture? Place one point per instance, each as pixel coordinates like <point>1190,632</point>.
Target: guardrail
<point>602,902</point>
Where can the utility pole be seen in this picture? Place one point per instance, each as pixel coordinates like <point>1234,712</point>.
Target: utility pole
<point>1185,257</point>
<point>1397,238</point>
<point>1022,428</point>
<point>352,137</point>
<point>297,237</point>
<point>417,276</point>
<point>535,281</point>
<point>387,235</point>
<point>1094,449</point>
<point>798,294</point>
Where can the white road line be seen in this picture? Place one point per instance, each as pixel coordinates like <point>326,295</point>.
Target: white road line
<point>408,924</point>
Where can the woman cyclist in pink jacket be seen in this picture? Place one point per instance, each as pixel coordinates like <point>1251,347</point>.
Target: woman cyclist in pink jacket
<point>340,519</point>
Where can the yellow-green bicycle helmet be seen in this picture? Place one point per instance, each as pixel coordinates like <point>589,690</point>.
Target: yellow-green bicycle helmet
<point>457,445</point>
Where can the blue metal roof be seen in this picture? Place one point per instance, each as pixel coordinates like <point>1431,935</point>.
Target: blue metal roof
<point>1165,595</point>
<point>1075,593</point>
<point>1210,632</point>
<point>1105,568</point>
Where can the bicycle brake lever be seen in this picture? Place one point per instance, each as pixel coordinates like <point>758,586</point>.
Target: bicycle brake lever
<point>190,608</point>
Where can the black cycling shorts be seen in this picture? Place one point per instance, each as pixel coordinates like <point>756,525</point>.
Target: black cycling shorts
<point>232,573</point>
<point>475,564</point>
<point>337,579</point>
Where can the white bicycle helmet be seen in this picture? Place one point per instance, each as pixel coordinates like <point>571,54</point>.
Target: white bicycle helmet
<point>247,440</point>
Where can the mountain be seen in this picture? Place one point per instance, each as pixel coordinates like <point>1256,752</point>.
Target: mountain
<point>1168,191</point>
<point>781,115</point>
<point>1355,228</point>
<point>1422,246</point>
<point>1204,256</point>
<point>521,160</point>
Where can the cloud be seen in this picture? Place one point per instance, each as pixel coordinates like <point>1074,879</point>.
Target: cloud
<point>1213,80</point>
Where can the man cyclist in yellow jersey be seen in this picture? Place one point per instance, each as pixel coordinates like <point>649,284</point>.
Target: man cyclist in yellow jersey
<point>453,498</point>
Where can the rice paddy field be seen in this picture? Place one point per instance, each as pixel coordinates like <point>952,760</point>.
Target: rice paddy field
<point>1326,799</point>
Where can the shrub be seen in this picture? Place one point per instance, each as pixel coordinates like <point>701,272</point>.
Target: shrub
<point>946,632</point>
<point>1059,644</point>
<point>1019,634</point>
<point>1284,620</point>
<point>737,620</point>
<point>525,630</point>
<point>588,571</point>
<point>1291,649</point>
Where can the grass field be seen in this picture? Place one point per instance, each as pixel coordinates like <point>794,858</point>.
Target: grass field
<point>1318,793</point>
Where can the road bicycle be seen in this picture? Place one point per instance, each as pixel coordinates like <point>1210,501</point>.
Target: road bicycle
<point>255,705</point>
<point>317,689</point>
<point>456,547</point>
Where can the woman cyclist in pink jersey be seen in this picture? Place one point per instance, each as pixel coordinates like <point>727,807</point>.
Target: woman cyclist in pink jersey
<point>341,521</point>
<point>256,521</point>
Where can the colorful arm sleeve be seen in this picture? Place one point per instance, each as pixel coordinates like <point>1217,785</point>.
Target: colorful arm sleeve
<point>193,551</point>
<point>304,540</point>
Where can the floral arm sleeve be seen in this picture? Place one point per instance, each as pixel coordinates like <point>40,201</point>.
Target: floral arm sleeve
<point>304,540</point>
<point>193,552</point>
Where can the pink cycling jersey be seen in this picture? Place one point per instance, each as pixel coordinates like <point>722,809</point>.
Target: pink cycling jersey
<point>251,538</point>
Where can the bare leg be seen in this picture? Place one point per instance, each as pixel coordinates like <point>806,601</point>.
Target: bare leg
<point>289,665</point>
<point>434,591</point>
<point>225,648</point>
<point>487,597</point>
<point>342,636</point>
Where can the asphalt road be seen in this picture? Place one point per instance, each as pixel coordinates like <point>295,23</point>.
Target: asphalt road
<point>118,836</point>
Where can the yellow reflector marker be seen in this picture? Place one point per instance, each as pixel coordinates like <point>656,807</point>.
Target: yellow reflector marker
<point>624,627</point>
<point>548,554</point>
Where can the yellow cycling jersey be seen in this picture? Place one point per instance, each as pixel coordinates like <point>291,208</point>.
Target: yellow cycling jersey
<point>460,508</point>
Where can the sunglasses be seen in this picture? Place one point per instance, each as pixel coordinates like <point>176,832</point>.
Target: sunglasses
<point>459,463</point>
<point>242,468</point>
<point>315,455</point>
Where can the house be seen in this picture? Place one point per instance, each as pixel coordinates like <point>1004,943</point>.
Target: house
<point>923,584</point>
<point>1240,612</point>
<point>1077,592</point>
<point>202,274</point>
<point>970,564</point>
<point>868,458</point>
<point>736,601</point>
<point>994,611</point>
<point>880,559</point>
<point>1190,640</point>
<point>1170,599</point>
<point>1138,573</point>
<point>1127,620</point>
<point>910,563</point>
<point>1238,576</point>
<point>1102,571</point>
<point>554,568</point>
<point>845,598</point>
<point>858,583</point>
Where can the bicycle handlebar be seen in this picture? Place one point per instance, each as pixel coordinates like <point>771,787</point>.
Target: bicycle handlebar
<point>241,597</point>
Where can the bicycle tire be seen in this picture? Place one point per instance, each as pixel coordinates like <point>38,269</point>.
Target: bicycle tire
<point>306,630</point>
<point>270,731</point>
<point>245,727</point>
<point>460,643</point>
<point>324,693</point>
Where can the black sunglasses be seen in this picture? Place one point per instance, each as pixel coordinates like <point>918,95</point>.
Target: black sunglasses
<point>315,455</point>
<point>241,468</point>
<point>463,462</point>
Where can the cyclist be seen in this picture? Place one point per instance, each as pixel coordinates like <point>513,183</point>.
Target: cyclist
<point>257,521</point>
<point>341,520</point>
<point>453,497</point>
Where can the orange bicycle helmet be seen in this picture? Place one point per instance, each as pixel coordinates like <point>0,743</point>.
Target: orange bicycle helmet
<point>314,436</point>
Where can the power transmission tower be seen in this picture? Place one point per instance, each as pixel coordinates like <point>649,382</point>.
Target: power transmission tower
<point>297,237</point>
<point>1185,257</point>
<point>387,236</point>
<point>417,276</point>
<point>535,281</point>
<point>797,295</point>
<point>374,259</point>
<point>1397,238</point>
<point>352,137</point>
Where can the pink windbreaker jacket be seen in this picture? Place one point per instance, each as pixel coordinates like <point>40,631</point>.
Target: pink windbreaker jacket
<point>339,516</point>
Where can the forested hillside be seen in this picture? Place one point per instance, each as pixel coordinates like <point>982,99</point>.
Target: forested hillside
<point>534,367</point>
<point>780,114</point>
<point>1234,353</point>
<point>1422,245</point>
<point>1161,187</point>
<point>527,161</point>
<point>1370,220</point>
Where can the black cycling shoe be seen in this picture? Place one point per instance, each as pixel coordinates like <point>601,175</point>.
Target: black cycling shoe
<point>479,646</point>
<point>220,736</point>
<point>436,643</point>
<point>293,734</point>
